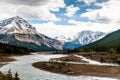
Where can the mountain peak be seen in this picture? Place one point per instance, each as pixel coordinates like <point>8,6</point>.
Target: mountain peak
<point>17,17</point>
<point>10,20</point>
<point>16,24</point>
<point>87,36</point>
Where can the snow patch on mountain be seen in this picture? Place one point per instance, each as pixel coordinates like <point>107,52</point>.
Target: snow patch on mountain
<point>63,38</point>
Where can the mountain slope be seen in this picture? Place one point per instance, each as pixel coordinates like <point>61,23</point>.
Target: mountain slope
<point>108,43</point>
<point>17,31</point>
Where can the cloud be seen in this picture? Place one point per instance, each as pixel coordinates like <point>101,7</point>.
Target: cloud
<point>108,13</point>
<point>36,13</point>
<point>26,2</point>
<point>52,30</point>
<point>87,2</point>
<point>54,5</point>
<point>31,9</point>
<point>95,26</point>
<point>71,10</point>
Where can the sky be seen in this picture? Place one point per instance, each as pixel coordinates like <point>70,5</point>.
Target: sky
<point>65,17</point>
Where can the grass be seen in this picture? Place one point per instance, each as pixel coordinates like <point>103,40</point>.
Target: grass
<point>102,56</point>
<point>79,69</point>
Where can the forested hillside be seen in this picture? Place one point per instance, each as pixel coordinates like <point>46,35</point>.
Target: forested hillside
<point>11,49</point>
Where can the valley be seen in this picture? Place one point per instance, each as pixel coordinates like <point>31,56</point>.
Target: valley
<point>59,39</point>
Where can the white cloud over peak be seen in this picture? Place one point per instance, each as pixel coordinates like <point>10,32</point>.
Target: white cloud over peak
<point>30,9</point>
<point>53,30</point>
<point>71,10</point>
<point>109,12</point>
<point>95,26</point>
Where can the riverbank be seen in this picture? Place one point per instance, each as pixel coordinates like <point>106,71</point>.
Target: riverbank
<point>4,59</point>
<point>102,56</point>
<point>80,69</point>
<point>68,58</point>
<point>76,66</point>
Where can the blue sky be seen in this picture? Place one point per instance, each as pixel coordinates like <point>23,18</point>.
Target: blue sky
<point>83,7</point>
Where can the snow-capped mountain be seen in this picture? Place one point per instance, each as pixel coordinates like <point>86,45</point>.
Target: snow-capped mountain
<point>63,38</point>
<point>16,25</point>
<point>87,36</point>
<point>17,31</point>
<point>81,38</point>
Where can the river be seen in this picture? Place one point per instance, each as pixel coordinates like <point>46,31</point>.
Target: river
<point>26,71</point>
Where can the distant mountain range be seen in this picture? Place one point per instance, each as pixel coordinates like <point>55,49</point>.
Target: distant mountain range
<point>110,43</point>
<point>17,31</point>
<point>80,39</point>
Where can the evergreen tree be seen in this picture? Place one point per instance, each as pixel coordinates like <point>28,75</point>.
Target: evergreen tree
<point>16,76</point>
<point>112,50</point>
<point>9,75</point>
